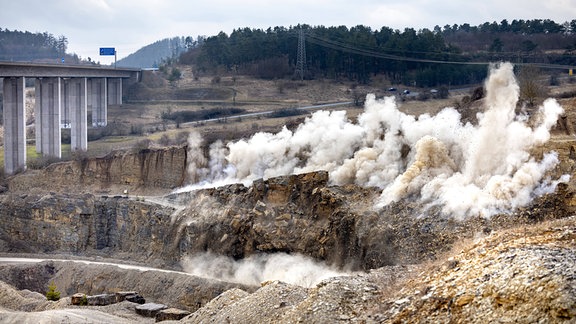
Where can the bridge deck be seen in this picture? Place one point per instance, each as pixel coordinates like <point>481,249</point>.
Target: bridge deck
<point>42,70</point>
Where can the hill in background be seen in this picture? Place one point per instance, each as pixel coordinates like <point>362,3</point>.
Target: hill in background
<point>154,54</point>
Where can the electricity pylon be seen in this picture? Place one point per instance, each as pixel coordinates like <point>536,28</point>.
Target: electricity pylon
<point>301,57</point>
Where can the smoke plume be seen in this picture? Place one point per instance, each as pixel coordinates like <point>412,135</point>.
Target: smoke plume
<point>293,269</point>
<point>467,169</point>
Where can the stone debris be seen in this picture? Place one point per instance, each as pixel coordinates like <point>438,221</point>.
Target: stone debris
<point>101,300</point>
<point>524,275</point>
<point>149,309</point>
<point>130,296</point>
<point>171,314</point>
<point>79,299</point>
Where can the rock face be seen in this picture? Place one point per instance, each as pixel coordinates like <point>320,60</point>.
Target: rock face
<point>520,275</point>
<point>149,169</point>
<point>294,214</point>
<point>83,223</point>
<point>303,214</point>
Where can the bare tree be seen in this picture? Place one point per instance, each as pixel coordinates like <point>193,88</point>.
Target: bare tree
<point>531,88</point>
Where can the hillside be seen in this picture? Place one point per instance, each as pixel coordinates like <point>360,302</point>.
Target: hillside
<point>153,55</point>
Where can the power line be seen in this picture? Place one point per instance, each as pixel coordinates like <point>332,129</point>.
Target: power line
<point>344,47</point>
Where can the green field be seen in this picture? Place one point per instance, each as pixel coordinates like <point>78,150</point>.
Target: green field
<point>32,155</point>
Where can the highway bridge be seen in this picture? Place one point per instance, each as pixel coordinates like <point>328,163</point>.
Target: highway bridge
<point>64,95</point>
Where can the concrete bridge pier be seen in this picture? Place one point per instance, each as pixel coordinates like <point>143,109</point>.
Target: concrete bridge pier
<point>99,101</point>
<point>65,108</point>
<point>114,91</point>
<point>65,96</point>
<point>14,118</point>
<point>77,99</point>
<point>47,116</point>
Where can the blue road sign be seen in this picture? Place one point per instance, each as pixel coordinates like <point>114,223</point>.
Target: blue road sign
<point>107,51</point>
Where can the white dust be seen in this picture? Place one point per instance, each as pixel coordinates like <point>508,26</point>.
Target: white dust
<point>467,169</point>
<point>253,270</point>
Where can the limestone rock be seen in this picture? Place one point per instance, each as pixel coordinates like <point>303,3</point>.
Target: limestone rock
<point>130,296</point>
<point>101,300</point>
<point>149,309</point>
<point>163,168</point>
<point>171,314</point>
<point>79,299</point>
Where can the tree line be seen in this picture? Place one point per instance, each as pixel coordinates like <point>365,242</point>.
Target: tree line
<point>409,57</point>
<point>26,46</point>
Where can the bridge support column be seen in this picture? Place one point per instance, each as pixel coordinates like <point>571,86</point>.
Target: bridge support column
<point>114,91</point>
<point>14,118</point>
<point>99,101</point>
<point>48,104</point>
<point>65,108</point>
<point>77,99</point>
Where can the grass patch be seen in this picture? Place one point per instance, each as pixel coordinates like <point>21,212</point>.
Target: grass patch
<point>116,139</point>
<point>32,157</point>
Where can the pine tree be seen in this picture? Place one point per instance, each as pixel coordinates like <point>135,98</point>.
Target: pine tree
<point>52,293</point>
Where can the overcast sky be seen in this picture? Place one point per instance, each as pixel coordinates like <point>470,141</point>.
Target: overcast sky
<point>129,25</point>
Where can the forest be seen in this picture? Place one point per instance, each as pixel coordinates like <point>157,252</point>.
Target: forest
<point>449,55</point>
<point>26,46</point>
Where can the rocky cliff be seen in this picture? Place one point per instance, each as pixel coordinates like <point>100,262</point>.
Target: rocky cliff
<point>148,171</point>
<point>299,215</point>
<point>293,214</point>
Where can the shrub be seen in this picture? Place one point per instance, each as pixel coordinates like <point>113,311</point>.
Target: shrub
<point>2,175</point>
<point>141,145</point>
<point>164,140</point>
<point>52,294</point>
<point>175,75</point>
<point>84,301</point>
<point>42,162</point>
<point>287,112</point>
<point>185,116</point>
<point>136,130</point>
<point>181,138</point>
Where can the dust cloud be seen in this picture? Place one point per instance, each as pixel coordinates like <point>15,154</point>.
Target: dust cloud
<point>466,169</point>
<point>253,270</point>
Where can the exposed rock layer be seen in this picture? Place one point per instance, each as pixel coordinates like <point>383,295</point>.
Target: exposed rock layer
<point>146,171</point>
<point>294,214</point>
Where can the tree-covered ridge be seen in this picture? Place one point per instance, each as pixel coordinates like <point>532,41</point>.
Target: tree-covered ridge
<point>411,57</point>
<point>154,54</point>
<point>26,46</point>
<point>519,26</point>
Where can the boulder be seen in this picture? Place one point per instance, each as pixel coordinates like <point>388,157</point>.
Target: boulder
<point>171,314</point>
<point>79,299</point>
<point>149,309</point>
<point>137,299</point>
<point>130,296</point>
<point>101,300</point>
